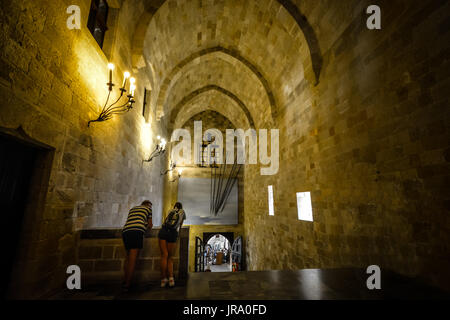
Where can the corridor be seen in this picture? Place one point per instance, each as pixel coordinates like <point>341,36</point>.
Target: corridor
<point>303,141</point>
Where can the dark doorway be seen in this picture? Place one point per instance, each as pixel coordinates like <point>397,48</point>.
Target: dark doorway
<point>17,163</point>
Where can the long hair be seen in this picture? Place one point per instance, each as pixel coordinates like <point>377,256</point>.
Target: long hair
<point>178,205</point>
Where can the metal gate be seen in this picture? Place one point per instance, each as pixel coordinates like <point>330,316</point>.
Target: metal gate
<point>236,254</point>
<point>199,255</point>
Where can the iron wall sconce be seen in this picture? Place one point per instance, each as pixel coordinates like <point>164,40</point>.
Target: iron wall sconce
<point>159,150</point>
<point>109,110</point>
<point>171,168</point>
<point>180,171</point>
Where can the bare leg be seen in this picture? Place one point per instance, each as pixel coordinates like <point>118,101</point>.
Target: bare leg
<point>125,267</point>
<point>164,256</point>
<point>170,250</point>
<point>132,257</point>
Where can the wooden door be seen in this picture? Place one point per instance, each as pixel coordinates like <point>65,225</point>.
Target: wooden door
<point>17,162</point>
<point>199,255</point>
<point>236,253</point>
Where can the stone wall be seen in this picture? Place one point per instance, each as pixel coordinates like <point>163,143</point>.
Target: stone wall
<point>52,82</point>
<point>101,257</point>
<point>370,142</point>
<point>363,119</point>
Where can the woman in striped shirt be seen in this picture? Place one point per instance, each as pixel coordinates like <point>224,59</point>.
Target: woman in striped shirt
<point>139,219</point>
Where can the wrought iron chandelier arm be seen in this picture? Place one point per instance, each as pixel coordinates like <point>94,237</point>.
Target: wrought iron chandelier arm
<point>121,109</point>
<point>106,103</point>
<point>154,154</point>
<point>112,109</point>
<point>126,107</point>
<point>115,102</point>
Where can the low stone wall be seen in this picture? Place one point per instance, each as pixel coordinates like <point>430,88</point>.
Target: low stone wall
<point>101,256</point>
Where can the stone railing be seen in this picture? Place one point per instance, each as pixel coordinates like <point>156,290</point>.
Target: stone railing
<point>101,256</point>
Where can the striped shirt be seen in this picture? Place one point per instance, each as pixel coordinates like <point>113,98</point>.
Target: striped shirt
<point>138,219</point>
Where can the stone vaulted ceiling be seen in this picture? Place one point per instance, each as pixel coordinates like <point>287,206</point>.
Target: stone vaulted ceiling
<point>244,57</point>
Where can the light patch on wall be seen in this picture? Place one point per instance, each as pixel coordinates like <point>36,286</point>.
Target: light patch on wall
<point>270,194</point>
<point>93,72</point>
<point>304,206</point>
<point>146,136</point>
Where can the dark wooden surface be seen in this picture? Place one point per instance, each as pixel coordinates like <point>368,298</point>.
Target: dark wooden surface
<point>307,284</point>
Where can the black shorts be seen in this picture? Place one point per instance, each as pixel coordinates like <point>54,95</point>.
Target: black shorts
<point>168,234</point>
<point>133,239</point>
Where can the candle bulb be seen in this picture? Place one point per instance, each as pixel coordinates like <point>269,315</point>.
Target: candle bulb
<point>111,68</point>
<point>132,84</point>
<point>132,89</point>
<point>126,75</point>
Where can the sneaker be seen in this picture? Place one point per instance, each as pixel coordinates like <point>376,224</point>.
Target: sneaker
<point>164,282</point>
<point>171,282</point>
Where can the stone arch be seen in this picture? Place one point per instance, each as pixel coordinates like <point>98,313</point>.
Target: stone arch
<point>230,52</point>
<point>152,6</point>
<point>202,103</point>
<point>309,34</point>
<point>195,93</point>
<point>207,109</point>
<point>137,44</point>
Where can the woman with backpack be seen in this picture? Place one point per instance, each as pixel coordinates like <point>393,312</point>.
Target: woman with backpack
<point>168,236</point>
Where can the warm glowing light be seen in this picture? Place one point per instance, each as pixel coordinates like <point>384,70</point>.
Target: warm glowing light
<point>126,74</point>
<point>132,89</point>
<point>146,136</point>
<point>304,206</point>
<point>132,80</point>
<point>180,171</point>
<point>271,208</point>
<point>111,66</point>
<point>159,138</point>
<point>163,144</point>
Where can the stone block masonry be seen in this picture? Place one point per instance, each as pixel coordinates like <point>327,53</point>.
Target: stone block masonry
<point>363,119</point>
<point>52,82</point>
<point>101,257</point>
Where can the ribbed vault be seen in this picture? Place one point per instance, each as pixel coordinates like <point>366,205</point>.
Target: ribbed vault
<point>214,100</point>
<point>224,105</point>
<point>268,41</point>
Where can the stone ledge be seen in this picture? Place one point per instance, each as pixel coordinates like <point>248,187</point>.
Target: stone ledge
<point>117,233</point>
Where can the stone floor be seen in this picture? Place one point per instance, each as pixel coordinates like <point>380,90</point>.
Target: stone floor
<point>330,284</point>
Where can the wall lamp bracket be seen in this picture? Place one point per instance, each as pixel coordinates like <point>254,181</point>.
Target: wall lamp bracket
<point>117,107</point>
<point>180,171</point>
<point>171,168</point>
<point>159,150</point>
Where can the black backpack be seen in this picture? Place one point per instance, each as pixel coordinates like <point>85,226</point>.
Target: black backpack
<point>172,219</point>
